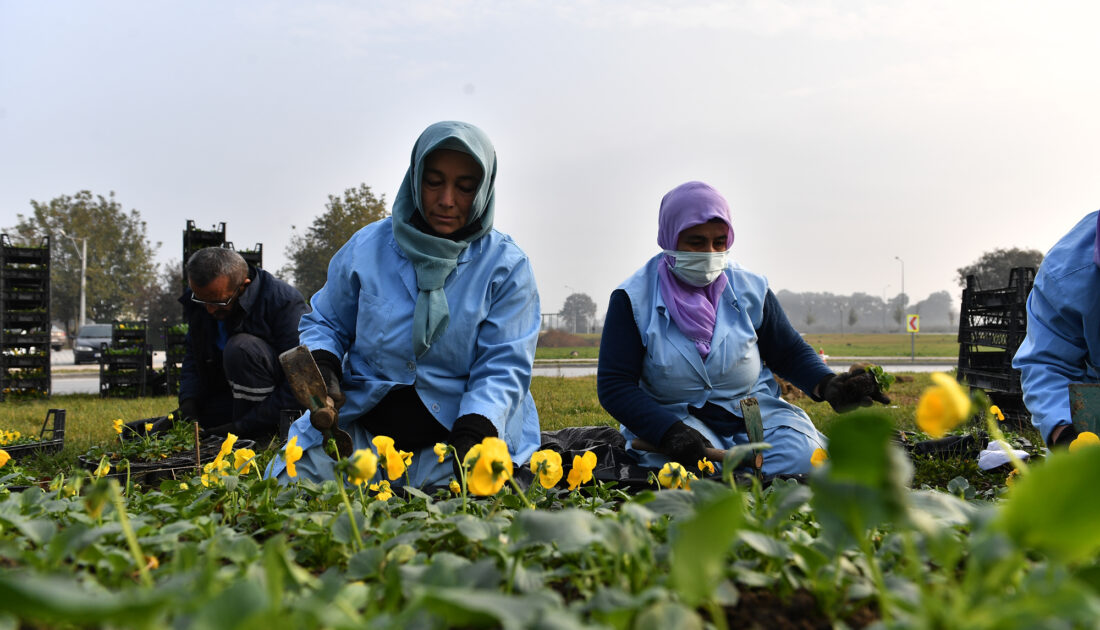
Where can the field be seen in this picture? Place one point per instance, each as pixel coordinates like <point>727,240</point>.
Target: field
<point>834,344</point>
<point>876,537</point>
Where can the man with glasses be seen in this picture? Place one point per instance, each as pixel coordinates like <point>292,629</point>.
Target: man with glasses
<point>240,319</point>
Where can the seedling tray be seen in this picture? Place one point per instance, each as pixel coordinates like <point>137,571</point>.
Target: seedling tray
<point>55,419</point>
<point>174,467</point>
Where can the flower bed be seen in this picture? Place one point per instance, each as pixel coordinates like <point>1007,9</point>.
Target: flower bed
<point>54,425</point>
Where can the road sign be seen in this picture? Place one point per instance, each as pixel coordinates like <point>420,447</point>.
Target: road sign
<point>912,323</point>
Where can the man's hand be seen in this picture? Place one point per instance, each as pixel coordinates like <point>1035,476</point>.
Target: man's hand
<point>189,410</point>
<point>851,389</point>
<point>684,445</point>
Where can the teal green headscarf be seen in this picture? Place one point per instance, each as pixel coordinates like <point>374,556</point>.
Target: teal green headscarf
<point>435,257</point>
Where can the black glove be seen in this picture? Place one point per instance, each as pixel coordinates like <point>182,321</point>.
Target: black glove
<point>468,430</point>
<point>1068,434</point>
<point>329,365</point>
<point>189,410</point>
<point>853,389</point>
<point>684,445</point>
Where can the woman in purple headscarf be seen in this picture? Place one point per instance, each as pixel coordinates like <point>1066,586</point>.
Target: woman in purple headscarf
<point>690,335</point>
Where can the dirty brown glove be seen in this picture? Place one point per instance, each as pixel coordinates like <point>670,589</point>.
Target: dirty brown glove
<point>329,366</point>
<point>684,445</point>
<point>849,390</point>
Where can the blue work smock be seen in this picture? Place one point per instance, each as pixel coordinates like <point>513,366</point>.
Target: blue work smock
<point>677,377</point>
<point>1062,345</point>
<point>480,365</point>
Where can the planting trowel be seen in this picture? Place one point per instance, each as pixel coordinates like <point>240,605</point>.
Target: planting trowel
<point>309,388</point>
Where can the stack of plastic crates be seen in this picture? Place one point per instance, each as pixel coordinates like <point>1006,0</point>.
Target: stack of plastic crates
<point>24,320</point>
<point>992,325</point>
<point>175,346</point>
<point>254,257</point>
<point>125,367</point>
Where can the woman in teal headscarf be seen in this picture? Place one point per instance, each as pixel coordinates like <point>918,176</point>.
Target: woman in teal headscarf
<point>425,331</point>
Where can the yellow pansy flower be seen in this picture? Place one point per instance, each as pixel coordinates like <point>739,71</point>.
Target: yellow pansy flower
<point>583,465</point>
<point>455,486</point>
<point>243,460</point>
<point>392,459</point>
<point>942,406</point>
<point>672,475</point>
<point>292,453</point>
<point>364,464</point>
<point>103,468</point>
<point>148,427</point>
<point>151,562</point>
<point>688,478</point>
<point>184,486</point>
<point>819,457</point>
<point>227,446</point>
<point>1012,477</point>
<point>382,490</point>
<point>1087,438</point>
<point>546,465</point>
<point>492,468</point>
<point>117,425</point>
<point>5,457</point>
<point>705,465</point>
<point>995,411</point>
<point>440,450</point>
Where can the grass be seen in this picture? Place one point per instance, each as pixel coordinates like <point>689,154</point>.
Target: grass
<point>562,402</point>
<point>835,344</point>
<point>885,344</point>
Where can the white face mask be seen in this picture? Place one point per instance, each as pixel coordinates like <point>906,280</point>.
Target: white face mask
<point>698,269</point>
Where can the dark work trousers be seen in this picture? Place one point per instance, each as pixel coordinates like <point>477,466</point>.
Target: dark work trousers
<point>252,370</point>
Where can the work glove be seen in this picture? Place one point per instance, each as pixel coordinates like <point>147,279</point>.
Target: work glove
<point>189,410</point>
<point>467,431</point>
<point>329,366</point>
<point>849,390</point>
<point>1068,434</point>
<point>684,445</point>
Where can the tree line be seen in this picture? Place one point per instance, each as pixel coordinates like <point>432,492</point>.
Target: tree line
<point>124,282</point>
<point>122,279</point>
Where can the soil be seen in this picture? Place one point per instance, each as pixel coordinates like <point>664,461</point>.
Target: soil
<point>761,609</point>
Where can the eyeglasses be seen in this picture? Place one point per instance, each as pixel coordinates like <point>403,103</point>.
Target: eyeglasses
<point>218,304</point>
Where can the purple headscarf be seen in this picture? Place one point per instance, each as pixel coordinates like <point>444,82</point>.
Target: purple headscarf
<point>693,309</point>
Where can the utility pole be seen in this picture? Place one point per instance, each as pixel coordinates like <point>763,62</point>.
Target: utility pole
<point>83,253</point>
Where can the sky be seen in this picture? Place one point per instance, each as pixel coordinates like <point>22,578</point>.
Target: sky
<point>861,145</point>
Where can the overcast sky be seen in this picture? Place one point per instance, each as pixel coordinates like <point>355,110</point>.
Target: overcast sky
<point>845,135</point>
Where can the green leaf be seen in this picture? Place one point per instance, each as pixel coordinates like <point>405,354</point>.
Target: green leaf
<point>570,530</point>
<point>700,546</point>
<point>665,615</point>
<point>463,607</point>
<point>1049,509</point>
<point>765,545</point>
<point>865,480</point>
<point>55,599</point>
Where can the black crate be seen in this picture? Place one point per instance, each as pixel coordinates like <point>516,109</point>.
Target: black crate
<point>991,337</point>
<point>111,359</point>
<point>24,319</point>
<point>254,257</point>
<point>23,338</point>
<point>54,424</point>
<point>25,273</point>
<point>1007,382</point>
<point>24,299</point>
<point>18,254</point>
<point>37,361</point>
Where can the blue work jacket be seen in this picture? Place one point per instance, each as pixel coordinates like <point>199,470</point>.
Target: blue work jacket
<point>480,365</point>
<point>1062,345</point>
<point>677,377</point>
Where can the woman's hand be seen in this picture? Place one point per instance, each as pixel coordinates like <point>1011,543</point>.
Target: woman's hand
<point>849,390</point>
<point>684,444</point>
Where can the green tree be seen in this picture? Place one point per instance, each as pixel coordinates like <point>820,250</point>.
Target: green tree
<point>120,257</point>
<point>310,253</point>
<point>992,268</point>
<point>159,303</point>
<point>576,312</point>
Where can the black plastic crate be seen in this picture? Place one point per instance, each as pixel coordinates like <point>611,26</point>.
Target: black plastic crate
<point>54,424</point>
<point>110,359</point>
<point>992,337</point>
<point>254,257</point>
<point>37,318</point>
<point>23,338</point>
<point>9,361</point>
<point>25,273</point>
<point>24,299</point>
<point>1007,382</point>
<point>11,253</point>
